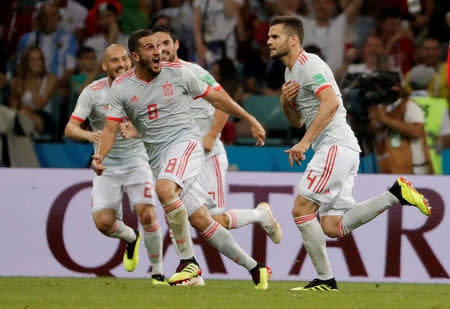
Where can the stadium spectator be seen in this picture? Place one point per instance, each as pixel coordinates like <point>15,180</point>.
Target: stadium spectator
<point>371,52</point>
<point>289,7</point>
<point>58,46</point>
<point>181,17</point>
<point>437,120</point>
<point>399,137</point>
<point>15,20</point>
<point>92,26</point>
<point>134,15</point>
<point>437,87</point>
<point>73,16</point>
<point>214,29</point>
<point>87,72</point>
<point>362,27</point>
<point>33,88</point>
<point>328,32</point>
<point>397,39</point>
<point>108,23</point>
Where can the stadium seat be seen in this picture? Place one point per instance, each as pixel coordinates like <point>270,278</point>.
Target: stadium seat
<point>267,110</point>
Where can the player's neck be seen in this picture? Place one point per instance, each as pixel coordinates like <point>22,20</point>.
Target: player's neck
<point>292,57</point>
<point>110,80</point>
<point>143,74</point>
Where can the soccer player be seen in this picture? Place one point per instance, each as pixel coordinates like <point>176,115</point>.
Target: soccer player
<point>156,97</point>
<point>128,170</point>
<point>211,122</point>
<point>310,94</point>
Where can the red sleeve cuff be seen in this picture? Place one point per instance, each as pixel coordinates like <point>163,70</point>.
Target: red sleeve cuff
<point>205,93</point>
<point>113,118</point>
<point>322,88</point>
<point>77,118</point>
<point>217,87</point>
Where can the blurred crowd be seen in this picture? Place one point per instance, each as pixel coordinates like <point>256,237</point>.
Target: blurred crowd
<point>53,49</point>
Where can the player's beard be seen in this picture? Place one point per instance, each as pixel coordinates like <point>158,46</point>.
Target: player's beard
<point>280,52</point>
<point>167,56</point>
<point>148,66</point>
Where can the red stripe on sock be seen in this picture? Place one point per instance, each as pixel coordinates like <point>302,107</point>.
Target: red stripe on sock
<point>233,222</point>
<point>303,219</point>
<point>173,206</point>
<point>152,228</point>
<point>210,232</point>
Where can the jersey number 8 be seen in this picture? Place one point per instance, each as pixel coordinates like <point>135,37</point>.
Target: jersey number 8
<point>152,112</point>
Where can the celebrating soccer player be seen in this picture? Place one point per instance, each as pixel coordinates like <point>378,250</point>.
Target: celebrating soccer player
<point>310,95</point>
<point>127,170</point>
<point>157,98</point>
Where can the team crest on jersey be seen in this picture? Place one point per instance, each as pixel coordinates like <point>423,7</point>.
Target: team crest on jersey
<point>167,90</point>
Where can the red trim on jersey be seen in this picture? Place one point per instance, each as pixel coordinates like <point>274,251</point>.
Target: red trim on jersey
<point>205,93</point>
<point>77,118</point>
<point>302,58</point>
<point>113,118</point>
<point>99,85</point>
<point>218,87</point>
<point>321,88</point>
<point>233,222</point>
<point>186,159</point>
<point>329,164</point>
<point>171,64</point>
<point>292,104</point>
<point>120,78</point>
<point>183,157</point>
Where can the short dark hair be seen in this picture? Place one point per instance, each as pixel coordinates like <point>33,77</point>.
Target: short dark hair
<point>389,12</point>
<point>166,29</point>
<point>83,50</point>
<point>293,25</point>
<point>134,38</point>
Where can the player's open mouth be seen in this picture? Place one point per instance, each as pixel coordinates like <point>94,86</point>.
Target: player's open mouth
<point>120,71</point>
<point>156,62</point>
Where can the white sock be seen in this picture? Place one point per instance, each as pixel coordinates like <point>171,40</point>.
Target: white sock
<point>221,239</point>
<point>365,211</point>
<point>123,231</point>
<point>315,244</point>
<point>240,217</point>
<point>154,244</point>
<point>174,242</point>
<point>178,220</point>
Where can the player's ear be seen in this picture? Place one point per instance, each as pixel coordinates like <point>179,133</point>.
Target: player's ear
<point>104,68</point>
<point>135,57</point>
<point>177,45</point>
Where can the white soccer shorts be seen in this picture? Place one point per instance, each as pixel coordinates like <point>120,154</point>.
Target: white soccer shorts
<point>108,189</point>
<point>328,179</point>
<point>212,179</point>
<point>183,163</point>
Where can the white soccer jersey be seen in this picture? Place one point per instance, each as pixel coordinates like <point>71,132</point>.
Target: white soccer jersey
<point>93,104</point>
<point>159,109</point>
<point>313,75</point>
<point>202,111</point>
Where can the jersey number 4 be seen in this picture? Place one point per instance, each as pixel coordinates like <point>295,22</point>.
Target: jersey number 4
<point>152,112</point>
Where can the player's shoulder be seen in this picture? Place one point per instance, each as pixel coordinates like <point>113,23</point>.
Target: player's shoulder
<point>98,84</point>
<point>171,66</point>
<point>123,78</point>
<point>307,60</point>
<point>191,65</point>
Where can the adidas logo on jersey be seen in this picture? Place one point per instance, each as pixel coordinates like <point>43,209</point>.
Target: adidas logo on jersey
<point>134,99</point>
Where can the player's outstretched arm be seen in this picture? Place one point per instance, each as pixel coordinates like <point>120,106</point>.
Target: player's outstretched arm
<point>107,141</point>
<point>229,106</point>
<point>74,131</point>
<point>220,119</point>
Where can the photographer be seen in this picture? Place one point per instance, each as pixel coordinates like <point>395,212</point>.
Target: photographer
<point>399,136</point>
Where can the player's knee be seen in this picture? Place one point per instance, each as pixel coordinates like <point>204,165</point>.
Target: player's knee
<point>200,219</point>
<point>331,232</point>
<point>104,224</point>
<point>222,220</point>
<point>146,214</point>
<point>165,192</point>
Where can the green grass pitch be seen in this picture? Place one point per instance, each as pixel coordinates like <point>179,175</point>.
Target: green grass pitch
<point>30,293</point>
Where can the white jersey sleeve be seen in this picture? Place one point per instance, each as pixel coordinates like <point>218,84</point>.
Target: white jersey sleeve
<point>196,88</point>
<point>314,78</point>
<point>84,105</point>
<point>115,109</point>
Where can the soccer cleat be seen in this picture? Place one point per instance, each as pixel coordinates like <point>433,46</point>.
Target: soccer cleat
<point>260,275</point>
<point>319,285</point>
<point>185,272</point>
<point>196,281</point>
<point>269,224</point>
<point>159,280</point>
<point>407,195</point>
<point>131,255</point>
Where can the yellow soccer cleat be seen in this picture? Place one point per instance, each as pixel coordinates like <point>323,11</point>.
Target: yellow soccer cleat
<point>269,224</point>
<point>319,285</point>
<point>407,195</point>
<point>185,272</point>
<point>159,280</point>
<point>260,275</point>
<point>131,255</point>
